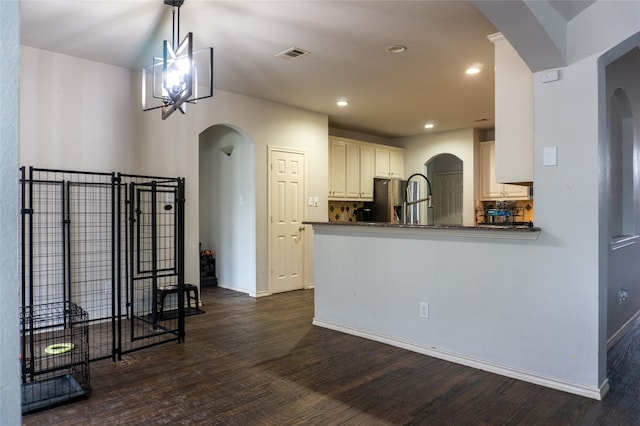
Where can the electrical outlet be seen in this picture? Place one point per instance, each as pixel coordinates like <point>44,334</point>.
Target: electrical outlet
<point>424,310</point>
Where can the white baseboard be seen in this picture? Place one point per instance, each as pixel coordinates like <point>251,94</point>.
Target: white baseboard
<point>231,287</point>
<point>245,291</point>
<point>589,392</point>
<point>622,331</point>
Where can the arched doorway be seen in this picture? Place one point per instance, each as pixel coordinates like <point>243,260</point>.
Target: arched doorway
<point>445,171</point>
<point>227,193</point>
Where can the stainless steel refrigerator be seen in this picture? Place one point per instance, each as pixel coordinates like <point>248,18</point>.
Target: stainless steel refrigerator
<point>388,201</point>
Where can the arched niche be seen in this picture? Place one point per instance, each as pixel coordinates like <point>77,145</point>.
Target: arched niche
<point>227,193</point>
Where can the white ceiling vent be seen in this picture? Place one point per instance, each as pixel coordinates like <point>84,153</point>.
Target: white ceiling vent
<point>292,53</point>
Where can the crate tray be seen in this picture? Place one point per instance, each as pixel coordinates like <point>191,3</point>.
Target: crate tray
<point>173,313</point>
<point>50,392</point>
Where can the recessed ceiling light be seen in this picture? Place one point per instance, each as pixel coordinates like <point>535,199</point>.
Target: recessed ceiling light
<point>397,48</point>
<point>342,103</point>
<point>472,70</point>
<point>429,126</point>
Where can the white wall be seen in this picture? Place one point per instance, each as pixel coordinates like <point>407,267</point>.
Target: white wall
<point>571,114</point>
<point>566,116</point>
<point>508,306</point>
<point>172,148</point>
<point>420,149</point>
<point>75,114</point>
<point>9,214</point>
<point>83,115</point>
<point>228,206</point>
<point>358,136</point>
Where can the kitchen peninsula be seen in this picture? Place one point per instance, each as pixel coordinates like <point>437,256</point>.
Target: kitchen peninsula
<point>482,231</point>
<point>452,292</point>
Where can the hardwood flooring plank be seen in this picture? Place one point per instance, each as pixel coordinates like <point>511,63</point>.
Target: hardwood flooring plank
<point>261,362</point>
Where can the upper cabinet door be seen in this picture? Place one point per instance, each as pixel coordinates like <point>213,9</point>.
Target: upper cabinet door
<point>382,162</point>
<point>337,169</point>
<point>389,163</point>
<point>490,188</point>
<point>516,191</point>
<point>367,171</point>
<point>396,164</point>
<point>353,171</point>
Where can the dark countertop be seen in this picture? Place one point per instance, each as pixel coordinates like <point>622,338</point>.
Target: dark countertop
<point>480,228</point>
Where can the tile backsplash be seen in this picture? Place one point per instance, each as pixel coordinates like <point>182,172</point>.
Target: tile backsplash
<point>523,210</point>
<point>343,211</point>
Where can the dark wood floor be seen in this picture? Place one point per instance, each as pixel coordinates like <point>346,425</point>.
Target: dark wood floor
<point>261,362</point>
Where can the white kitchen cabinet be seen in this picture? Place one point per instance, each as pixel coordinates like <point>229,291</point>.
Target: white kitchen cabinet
<point>337,169</point>
<point>389,162</point>
<point>352,171</point>
<point>344,170</point>
<point>514,114</point>
<point>515,191</point>
<point>367,171</point>
<point>353,165</point>
<point>491,189</point>
<point>382,162</point>
<point>396,163</point>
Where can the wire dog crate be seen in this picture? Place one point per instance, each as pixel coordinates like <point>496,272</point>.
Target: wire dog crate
<point>110,243</point>
<point>55,355</point>
<point>107,247</point>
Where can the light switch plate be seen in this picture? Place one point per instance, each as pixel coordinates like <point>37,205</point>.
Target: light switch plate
<point>310,202</point>
<point>550,156</point>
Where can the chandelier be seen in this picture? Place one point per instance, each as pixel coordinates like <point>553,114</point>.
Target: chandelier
<point>181,76</point>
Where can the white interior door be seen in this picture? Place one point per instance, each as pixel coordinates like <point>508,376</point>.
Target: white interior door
<point>447,198</point>
<point>286,208</point>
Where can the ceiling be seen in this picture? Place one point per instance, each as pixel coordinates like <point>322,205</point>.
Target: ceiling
<point>390,95</point>
<point>570,9</point>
